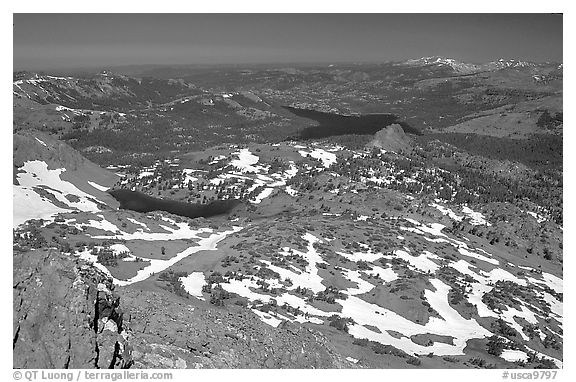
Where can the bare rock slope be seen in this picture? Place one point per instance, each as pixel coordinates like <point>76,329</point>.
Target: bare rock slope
<point>166,332</point>
<point>391,138</point>
<point>65,315</point>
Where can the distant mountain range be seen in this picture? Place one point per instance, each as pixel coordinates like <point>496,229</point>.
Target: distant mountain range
<point>146,70</point>
<point>465,68</point>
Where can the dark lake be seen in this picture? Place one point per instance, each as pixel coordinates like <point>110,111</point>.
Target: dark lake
<point>139,202</point>
<point>335,124</point>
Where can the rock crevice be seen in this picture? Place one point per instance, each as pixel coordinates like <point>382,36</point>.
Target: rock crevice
<point>66,315</point>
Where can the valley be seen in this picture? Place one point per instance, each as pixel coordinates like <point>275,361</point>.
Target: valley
<point>243,221</point>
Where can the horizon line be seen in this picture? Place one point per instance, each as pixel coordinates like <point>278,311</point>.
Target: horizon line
<point>260,63</point>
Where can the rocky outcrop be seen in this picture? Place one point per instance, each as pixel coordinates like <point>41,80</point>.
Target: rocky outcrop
<point>391,138</point>
<point>166,332</point>
<point>65,314</point>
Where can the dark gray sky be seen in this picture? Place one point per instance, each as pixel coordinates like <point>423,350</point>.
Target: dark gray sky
<point>51,41</point>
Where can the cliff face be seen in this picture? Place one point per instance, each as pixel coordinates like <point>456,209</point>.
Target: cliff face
<point>65,315</point>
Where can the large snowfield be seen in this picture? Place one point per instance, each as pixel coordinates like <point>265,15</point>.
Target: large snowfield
<point>36,179</point>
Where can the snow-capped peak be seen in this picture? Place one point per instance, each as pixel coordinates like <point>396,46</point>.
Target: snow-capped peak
<point>462,67</point>
<point>456,65</point>
<point>511,63</point>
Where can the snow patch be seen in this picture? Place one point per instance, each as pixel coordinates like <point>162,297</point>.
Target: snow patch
<point>447,211</point>
<point>476,218</point>
<point>267,318</point>
<point>98,187</point>
<point>327,158</point>
<point>193,284</point>
<point>41,142</point>
<point>246,161</point>
<point>514,355</point>
<point>263,195</point>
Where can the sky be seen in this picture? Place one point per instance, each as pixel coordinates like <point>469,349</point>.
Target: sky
<point>59,41</point>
